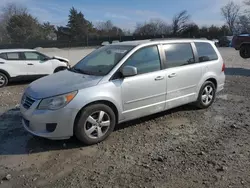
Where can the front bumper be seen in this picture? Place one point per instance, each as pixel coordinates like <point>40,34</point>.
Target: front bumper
<point>37,121</point>
<point>220,87</point>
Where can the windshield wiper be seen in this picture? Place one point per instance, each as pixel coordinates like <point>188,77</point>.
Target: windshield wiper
<point>76,70</point>
<point>81,71</point>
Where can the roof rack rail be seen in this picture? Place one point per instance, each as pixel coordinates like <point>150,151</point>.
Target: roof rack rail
<point>172,38</point>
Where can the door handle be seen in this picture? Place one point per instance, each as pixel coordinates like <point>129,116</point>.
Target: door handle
<point>30,64</point>
<point>172,75</point>
<point>1,62</point>
<point>159,78</point>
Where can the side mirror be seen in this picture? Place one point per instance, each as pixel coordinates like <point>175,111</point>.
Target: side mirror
<point>129,71</point>
<point>44,59</point>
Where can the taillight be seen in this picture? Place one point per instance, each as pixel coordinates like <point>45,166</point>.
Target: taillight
<point>223,67</point>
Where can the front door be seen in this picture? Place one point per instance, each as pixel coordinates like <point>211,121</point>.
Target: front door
<point>144,93</point>
<point>37,65</point>
<point>183,74</point>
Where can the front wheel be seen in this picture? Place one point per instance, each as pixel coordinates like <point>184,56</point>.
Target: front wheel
<point>3,80</point>
<point>206,95</point>
<point>95,124</point>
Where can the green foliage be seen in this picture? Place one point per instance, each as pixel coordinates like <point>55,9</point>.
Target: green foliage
<point>23,28</point>
<point>78,25</point>
<point>191,30</point>
<point>48,31</point>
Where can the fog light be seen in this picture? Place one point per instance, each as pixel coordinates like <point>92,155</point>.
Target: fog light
<point>50,127</point>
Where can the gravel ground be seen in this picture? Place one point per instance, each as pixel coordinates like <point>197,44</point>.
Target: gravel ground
<point>183,147</point>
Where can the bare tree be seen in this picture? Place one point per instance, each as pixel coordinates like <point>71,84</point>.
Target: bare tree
<point>243,24</point>
<point>180,21</point>
<point>127,32</point>
<point>12,9</point>
<point>161,26</point>
<point>109,29</point>
<point>153,27</point>
<point>105,26</point>
<point>231,12</point>
<point>247,2</point>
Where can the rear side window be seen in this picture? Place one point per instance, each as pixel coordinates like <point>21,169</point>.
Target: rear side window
<point>178,54</point>
<point>3,56</point>
<point>205,52</point>
<point>13,56</point>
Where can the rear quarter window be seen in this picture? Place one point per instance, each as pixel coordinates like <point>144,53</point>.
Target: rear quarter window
<point>13,56</point>
<point>3,56</point>
<point>205,52</point>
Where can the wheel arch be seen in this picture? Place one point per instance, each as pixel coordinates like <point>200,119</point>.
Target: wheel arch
<point>214,81</point>
<point>5,72</point>
<point>59,67</point>
<point>106,102</point>
<point>209,76</point>
<point>244,44</point>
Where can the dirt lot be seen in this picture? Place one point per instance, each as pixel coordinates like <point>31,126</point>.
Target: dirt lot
<point>183,147</point>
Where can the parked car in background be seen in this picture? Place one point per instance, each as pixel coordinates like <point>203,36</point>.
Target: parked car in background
<point>242,43</point>
<point>121,82</point>
<point>24,64</point>
<point>216,42</point>
<point>225,41</point>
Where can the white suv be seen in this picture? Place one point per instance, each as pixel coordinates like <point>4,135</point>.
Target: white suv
<point>20,64</point>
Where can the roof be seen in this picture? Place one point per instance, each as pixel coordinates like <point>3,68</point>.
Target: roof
<point>16,50</point>
<point>160,40</point>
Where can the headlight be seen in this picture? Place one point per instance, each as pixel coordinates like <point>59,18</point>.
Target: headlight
<point>57,102</point>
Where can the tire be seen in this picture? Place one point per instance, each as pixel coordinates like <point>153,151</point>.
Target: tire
<point>245,51</point>
<point>58,69</point>
<point>206,95</point>
<point>3,80</point>
<point>87,128</point>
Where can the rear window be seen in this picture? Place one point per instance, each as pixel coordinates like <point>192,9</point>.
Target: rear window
<point>3,56</point>
<point>13,56</point>
<point>205,52</point>
<point>178,54</point>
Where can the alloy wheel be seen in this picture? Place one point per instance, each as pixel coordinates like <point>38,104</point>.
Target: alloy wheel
<point>207,95</point>
<point>2,80</point>
<point>97,125</point>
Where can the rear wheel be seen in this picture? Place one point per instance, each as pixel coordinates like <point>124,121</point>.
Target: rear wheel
<point>245,51</point>
<point>95,124</point>
<point>206,95</point>
<point>3,80</point>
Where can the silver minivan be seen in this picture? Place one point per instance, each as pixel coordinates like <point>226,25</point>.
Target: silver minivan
<point>121,82</point>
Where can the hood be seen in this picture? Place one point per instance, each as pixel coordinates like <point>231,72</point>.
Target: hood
<point>60,83</point>
<point>60,59</point>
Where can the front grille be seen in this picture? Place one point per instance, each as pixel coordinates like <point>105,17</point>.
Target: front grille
<point>27,102</point>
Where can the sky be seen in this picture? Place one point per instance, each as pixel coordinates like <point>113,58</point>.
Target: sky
<point>125,13</point>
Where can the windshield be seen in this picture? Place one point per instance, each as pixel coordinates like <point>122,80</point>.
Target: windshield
<point>101,61</point>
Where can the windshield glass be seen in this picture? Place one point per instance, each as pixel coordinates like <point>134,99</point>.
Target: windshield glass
<point>101,61</point>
